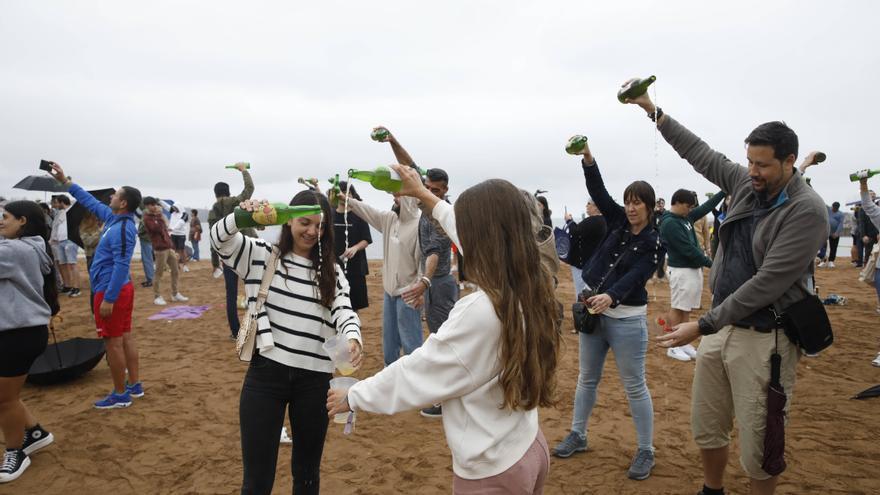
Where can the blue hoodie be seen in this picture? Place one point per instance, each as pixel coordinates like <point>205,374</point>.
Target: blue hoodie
<point>110,266</point>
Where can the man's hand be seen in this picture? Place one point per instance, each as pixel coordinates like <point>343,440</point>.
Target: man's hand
<point>413,293</point>
<point>252,204</point>
<point>683,333</point>
<point>349,253</point>
<point>598,304</point>
<point>412,182</point>
<point>106,309</point>
<point>240,166</point>
<point>58,173</point>
<point>568,217</point>
<point>643,101</point>
<point>337,402</point>
<point>866,239</point>
<point>357,353</point>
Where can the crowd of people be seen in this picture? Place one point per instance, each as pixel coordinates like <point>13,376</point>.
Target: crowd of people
<point>490,357</point>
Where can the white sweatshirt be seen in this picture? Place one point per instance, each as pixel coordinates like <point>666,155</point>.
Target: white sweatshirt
<point>457,367</point>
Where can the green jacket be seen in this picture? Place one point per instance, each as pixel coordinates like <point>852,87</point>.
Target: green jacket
<point>677,233</point>
<point>225,205</point>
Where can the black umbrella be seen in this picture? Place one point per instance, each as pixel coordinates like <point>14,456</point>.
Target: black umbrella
<point>40,183</point>
<point>868,393</point>
<point>774,435</point>
<point>77,212</point>
<point>66,361</point>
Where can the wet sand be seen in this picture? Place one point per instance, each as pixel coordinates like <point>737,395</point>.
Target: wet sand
<point>183,436</point>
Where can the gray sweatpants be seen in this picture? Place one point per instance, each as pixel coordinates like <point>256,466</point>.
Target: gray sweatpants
<point>439,300</point>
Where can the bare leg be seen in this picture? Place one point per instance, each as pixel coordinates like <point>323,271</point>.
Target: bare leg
<point>132,360</point>
<point>714,462</point>
<point>764,487</point>
<point>13,414</point>
<point>675,317</point>
<point>116,360</point>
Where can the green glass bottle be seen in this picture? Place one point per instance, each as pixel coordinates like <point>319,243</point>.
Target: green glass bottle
<point>634,89</point>
<point>380,134</point>
<point>820,157</point>
<point>246,165</point>
<point>382,178</point>
<point>273,214</point>
<point>855,175</point>
<point>333,193</point>
<point>576,145</point>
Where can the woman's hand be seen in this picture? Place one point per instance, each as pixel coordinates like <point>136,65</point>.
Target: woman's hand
<point>253,204</point>
<point>357,353</point>
<point>350,252</point>
<point>337,402</point>
<point>599,303</point>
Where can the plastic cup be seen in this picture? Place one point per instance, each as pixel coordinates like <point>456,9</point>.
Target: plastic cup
<point>337,349</point>
<point>342,383</point>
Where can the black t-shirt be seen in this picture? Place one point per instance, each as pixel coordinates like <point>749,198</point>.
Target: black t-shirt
<point>358,230</point>
<point>586,236</point>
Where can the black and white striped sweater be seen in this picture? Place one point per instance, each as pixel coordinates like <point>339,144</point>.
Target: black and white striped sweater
<point>293,324</point>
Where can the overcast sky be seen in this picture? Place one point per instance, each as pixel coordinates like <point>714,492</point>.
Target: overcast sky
<point>161,95</point>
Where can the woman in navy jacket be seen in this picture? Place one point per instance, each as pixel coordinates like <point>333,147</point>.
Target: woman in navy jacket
<point>616,276</point>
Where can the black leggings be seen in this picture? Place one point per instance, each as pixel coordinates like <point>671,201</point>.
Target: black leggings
<point>268,388</point>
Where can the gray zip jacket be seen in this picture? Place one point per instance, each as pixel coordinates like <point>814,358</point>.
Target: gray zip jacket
<point>784,244</point>
<point>23,263</point>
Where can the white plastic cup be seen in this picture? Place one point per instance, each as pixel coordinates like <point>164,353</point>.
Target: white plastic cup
<point>342,383</point>
<point>337,349</point>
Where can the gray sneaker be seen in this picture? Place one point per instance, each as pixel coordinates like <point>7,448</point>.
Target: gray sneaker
<point>642,464</point>
<point>569,445</point>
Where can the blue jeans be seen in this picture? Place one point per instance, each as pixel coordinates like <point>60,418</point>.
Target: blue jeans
<point>877,285</point>
<point>579,284</point>
<point>231,281</point>
<point>147,261</point>
<point>628,339</point>
<point>195,245</point>
<point>401,327</point>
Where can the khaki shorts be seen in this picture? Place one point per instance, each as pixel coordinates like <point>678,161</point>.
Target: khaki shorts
<point>733,371</point>
<point>685,288</point>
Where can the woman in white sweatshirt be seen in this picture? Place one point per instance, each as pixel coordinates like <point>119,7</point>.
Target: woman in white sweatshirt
<point>494,360</point>
<point>307,303</point>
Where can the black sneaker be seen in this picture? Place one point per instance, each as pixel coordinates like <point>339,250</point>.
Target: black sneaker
<point>15,461</point>
<point>147,283</point>
<point>432,412</point>
<point>74,293</point>
<point>35,439</point>
<point>65,290</point>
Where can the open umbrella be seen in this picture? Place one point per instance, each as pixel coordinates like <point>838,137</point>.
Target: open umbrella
<point>868,393</point>
<point>774,434</point>
<point>65,361</point>
<point>40,183</point>
<point>77,212</point>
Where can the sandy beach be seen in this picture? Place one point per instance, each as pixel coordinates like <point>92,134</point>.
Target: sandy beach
<point>183,436</point>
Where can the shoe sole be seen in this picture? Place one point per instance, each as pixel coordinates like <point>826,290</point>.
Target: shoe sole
<point>566,456</point>
<point>432,416</point>
<point>639,477</point>
<point>6,478</point>
<point>43,442</point>
<point>118,405</point>
<point>137,396</point>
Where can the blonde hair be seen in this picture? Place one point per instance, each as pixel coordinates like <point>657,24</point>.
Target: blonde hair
<point>497,230</point>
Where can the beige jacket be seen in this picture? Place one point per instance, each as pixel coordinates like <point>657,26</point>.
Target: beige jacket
<point>400,242</point>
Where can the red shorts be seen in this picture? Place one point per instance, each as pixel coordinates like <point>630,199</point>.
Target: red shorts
<point>120,320</point>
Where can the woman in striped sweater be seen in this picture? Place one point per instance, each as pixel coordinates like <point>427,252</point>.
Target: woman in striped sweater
<point>308,302</point>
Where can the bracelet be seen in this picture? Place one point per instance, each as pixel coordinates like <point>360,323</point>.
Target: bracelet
<point>655,115</point>
<point>426,281</point>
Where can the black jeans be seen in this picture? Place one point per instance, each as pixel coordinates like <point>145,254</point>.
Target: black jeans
<point>231,279</point>
<point>268,388</point>
<point>832,248</point>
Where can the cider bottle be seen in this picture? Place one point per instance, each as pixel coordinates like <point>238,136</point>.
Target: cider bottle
<point>636,88</point>
<point>272,214</point>
<point>855,175</point>
<point>246,165</point>
<point>576,145</point>
<point>380,134</point>
<point>382,178</point>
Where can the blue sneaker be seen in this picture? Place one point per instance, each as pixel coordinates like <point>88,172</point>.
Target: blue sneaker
<point>114,401</point>
<point>135,390</point>
<point>572,443</point>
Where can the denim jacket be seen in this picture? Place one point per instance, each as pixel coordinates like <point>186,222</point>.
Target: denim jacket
<point>641,252</point>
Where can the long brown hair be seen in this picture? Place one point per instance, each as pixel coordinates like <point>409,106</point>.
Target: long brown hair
<point>494,224</point>
<point>322,254</point>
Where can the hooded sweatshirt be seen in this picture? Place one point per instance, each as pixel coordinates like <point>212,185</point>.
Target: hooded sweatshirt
<point>23,264</point>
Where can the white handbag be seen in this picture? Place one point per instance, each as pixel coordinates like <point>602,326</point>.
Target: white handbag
<point>247,335</point>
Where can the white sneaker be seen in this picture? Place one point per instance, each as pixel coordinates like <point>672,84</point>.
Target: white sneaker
<point>876,361</point>
<point>179,298</point>
<point>185,269</point>
<point>822,264</point>
<point>690,350</point>
<point>677,353</point>
<point>218,273</point>
<point>830,264</point>
<point>159,301</point>
<point>285,438</point>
